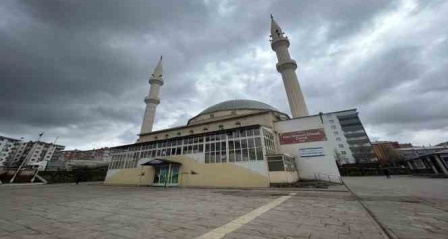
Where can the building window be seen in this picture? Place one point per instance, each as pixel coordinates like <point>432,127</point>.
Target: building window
<point>343,152</point>
<point>331,121</point>
<point>221,127</point>
<point>275,164</point>
<point>336,133</point>
<point>269,142</point>
<point>245,145</point>
<point>341,146</point>
<point>338,139</point>
<point>333,126</point>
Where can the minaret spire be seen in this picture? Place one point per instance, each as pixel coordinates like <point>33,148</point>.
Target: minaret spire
<point>152,100</point>
<point>287,68</point>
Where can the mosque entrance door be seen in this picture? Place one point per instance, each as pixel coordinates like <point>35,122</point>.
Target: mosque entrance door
<point>166,175</point>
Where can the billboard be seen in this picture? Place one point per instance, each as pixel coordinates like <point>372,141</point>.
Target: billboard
<point>305,136</point>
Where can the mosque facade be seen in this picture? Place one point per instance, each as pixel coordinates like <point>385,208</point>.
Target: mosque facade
<point>238,143</point>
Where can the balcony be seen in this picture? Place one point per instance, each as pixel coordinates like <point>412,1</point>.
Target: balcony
<point>348,122</point>
<point>357,127</point>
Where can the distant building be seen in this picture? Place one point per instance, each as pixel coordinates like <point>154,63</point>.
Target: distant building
<point>36,154</point>
<point>415,152</point>
<point>386,153</point>
<point>435,162</point>
<point>349,135</point>
<point>102,154</point>
<point>6,149</point>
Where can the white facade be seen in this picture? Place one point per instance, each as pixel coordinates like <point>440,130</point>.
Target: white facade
<point>7,146</point>
<point>36,154</point>
<point>337,138</point>
<point>309,167</point>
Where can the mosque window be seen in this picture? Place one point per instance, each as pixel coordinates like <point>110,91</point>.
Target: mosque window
<point>216,148</point>
<point>269,142</point>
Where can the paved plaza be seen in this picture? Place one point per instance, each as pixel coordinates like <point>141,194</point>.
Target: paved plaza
<point>409,207</point>
<point>97,211</point>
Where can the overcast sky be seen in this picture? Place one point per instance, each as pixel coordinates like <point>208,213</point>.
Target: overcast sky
<point>79,69</point>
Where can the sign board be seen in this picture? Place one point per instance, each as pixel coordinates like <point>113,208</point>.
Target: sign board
<point>297,137</point>
<point>311,152</point>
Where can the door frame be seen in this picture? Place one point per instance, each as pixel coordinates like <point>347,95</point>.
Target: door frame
<point>169,175</point>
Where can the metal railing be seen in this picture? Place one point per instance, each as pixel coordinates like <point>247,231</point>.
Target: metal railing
<point>328,177</point>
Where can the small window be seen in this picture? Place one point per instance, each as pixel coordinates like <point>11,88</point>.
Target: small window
<point>333,126</point>
<point>336,133</point>
<point>338,139</point>
<point>343,152</point>
<point>341,146</point>
<point>331,121</point>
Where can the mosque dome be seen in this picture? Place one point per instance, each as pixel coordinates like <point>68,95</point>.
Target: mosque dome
<point>238,105</point>
<point>234,108</point>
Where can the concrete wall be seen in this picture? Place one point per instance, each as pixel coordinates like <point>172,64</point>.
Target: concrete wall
<point>308,166</point>
<point>283,177</point>
<point>257,119</point>
<point>194,174</point>
<point>130,176</point>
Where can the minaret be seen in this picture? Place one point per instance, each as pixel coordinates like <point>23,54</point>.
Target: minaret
<point>287,67</point>
<point>152,100</point>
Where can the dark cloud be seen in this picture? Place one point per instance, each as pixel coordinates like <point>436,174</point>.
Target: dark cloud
<point>80,70</point>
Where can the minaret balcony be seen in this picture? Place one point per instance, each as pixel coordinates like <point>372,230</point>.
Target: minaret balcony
<point>151,100</point>
<point>275,43</point>
<point>156,81</point>
<point>290,64</point>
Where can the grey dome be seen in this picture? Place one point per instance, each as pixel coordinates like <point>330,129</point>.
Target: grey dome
<point>238,105</point>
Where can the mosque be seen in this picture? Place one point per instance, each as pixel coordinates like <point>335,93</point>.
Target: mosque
<point>236,143</point>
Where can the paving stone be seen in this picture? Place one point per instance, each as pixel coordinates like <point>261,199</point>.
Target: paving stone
<point>409,207</point>
<point>94,211</point>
